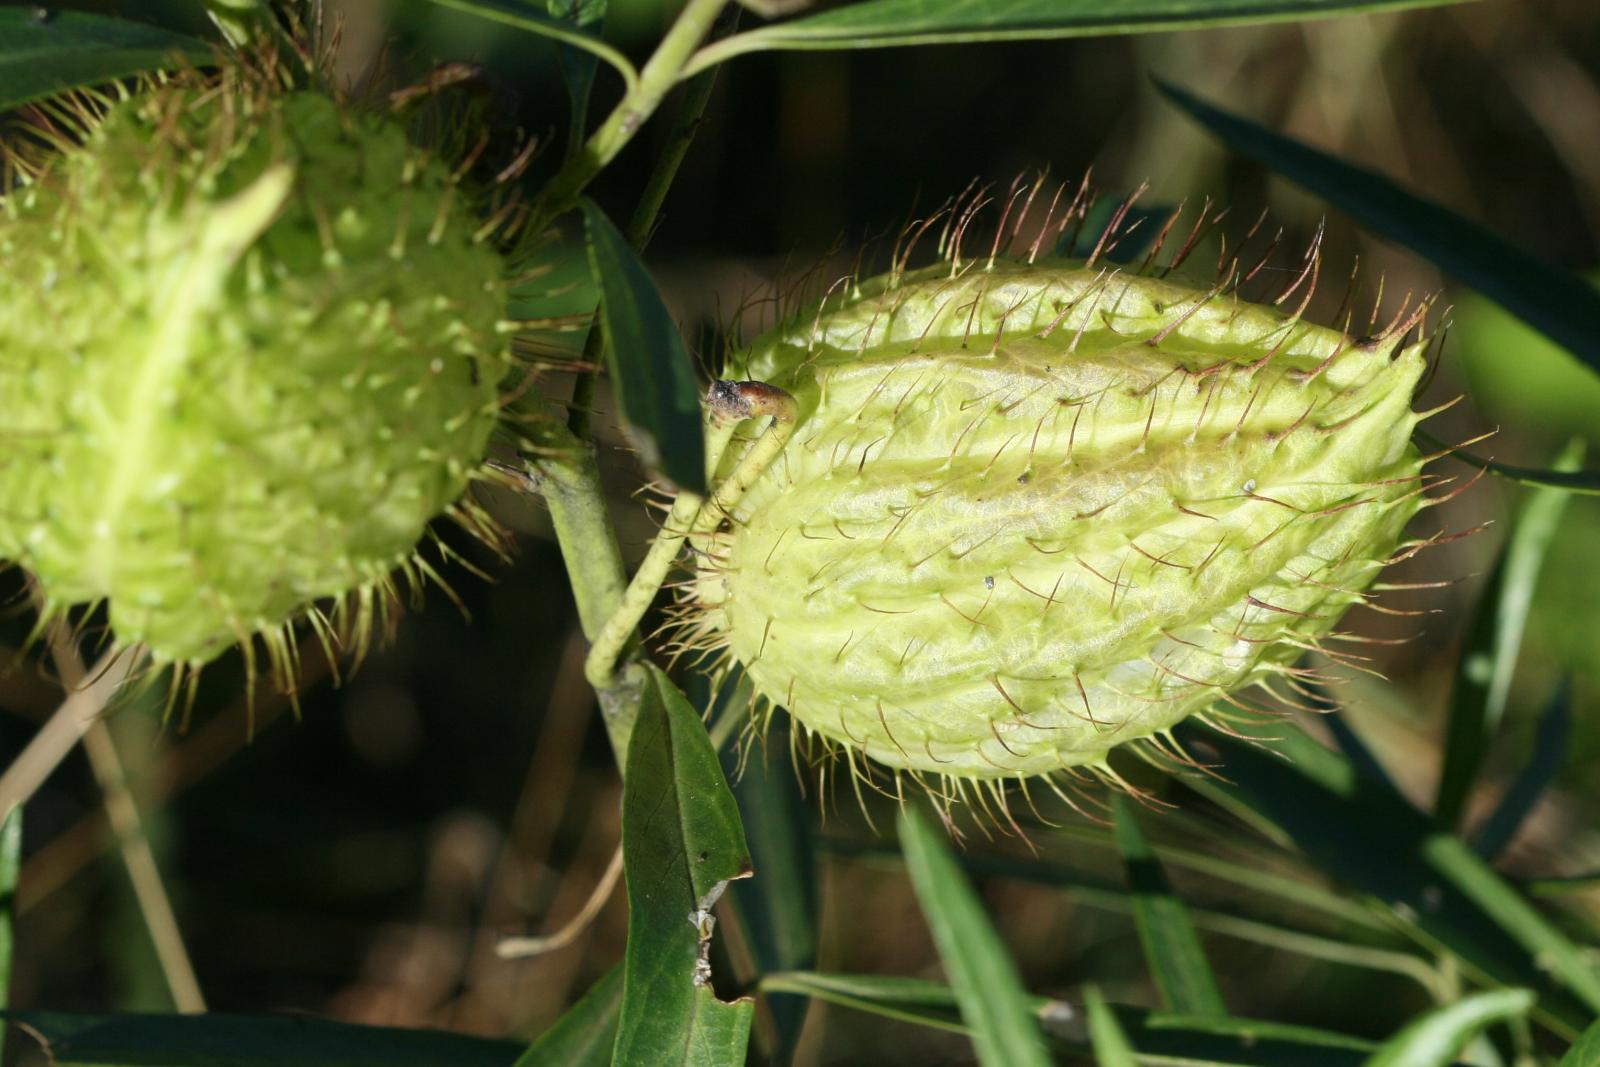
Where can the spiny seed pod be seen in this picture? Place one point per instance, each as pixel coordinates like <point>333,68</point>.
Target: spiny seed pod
<point>249,347</point>
<point>1032,512</point>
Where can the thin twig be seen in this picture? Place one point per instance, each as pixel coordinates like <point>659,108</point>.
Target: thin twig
<point>122,811</point>
<point>520,948</point>
<point>65,727</point>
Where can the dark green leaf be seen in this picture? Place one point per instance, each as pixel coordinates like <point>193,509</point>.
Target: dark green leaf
<point>1356,831</point>
<point>1549,752</point>
<point>1489,657</point>
<point>1585,1052</point>
<point>1172,949</point>
<point>1095,891</point>
<point>650,369</point>
<point>1161,1037</point>
<point>44,54</point>
<point>585,1033</point>
<point>1584,483</point>
<point>681,845</point>
<point>776,910</point>
<point>985,980</point>
<point>1111,1046</point>
<point>523,16</point>
<point>251,1041</point>
<point>1501,902</point>
<point>1439,1036</point>
<point>889,23</point>
<point>1559,304</point>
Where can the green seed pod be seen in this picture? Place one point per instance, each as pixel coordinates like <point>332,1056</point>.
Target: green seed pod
<point>1030,513</point>
<point>249,347</point>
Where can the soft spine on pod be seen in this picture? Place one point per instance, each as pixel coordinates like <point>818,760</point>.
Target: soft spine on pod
<point>1034,511</point>
<point>249,346</point>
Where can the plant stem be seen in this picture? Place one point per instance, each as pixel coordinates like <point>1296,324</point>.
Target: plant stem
<point>567,474</point>
<point>640,227</point>
<point>122,812</point>
<point>66,726</point>
<point>732,402</point>
<point>658,76</point>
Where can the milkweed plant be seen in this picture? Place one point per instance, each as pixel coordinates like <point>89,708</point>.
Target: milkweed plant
<point>1037,538</point>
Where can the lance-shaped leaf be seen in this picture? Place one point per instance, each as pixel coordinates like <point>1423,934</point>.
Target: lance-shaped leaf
<point>890,23</point>
<point>1438,1037</point>
<point>586,1032</point>
<point>986,984</point>
<point>681,845</point>
<point>1172,949</point>
<point>1489,658</point>
<point>1557,303</point>
<point>650,369</point>
<point>1433,884</point>
<point>45,52</point>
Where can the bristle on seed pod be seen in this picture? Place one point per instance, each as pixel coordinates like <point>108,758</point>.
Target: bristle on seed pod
<point>1036,509</point>
<point>251,343</point>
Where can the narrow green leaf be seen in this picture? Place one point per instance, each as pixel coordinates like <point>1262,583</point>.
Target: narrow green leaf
<point>43,52</point>
<point>1559,304</point>
<point>891,23</point>
<point>681,845</point>
<point>1584,483</point>
<point>1172,949</point>
<point>251,1041</point>
<point>1356,832</point>
<point>1585,1052</point>
<point>1549,753</point>
<point>1094,891</point>
<point>1494,638</point>
<point>1499,900</point>
<point>985,980</point>
<point>650,369</point>
<point>1111,1045</point>
<point>585,1033</point>
<point>776,910</point>
<point>524,16</point>
<point>1159,1037</point>
<point>10,868</point>
<point>1439,1036</point>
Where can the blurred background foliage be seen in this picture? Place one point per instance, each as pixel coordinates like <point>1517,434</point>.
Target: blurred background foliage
<point>359,858</point>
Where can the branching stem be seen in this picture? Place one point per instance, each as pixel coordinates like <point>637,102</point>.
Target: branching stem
<point>656,78</point>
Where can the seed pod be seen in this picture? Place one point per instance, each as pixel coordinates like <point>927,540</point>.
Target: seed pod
<point>249,347</point>
<point>1030,513</point>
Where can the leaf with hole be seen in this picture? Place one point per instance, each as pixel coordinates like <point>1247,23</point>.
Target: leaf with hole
<point>681,845</point>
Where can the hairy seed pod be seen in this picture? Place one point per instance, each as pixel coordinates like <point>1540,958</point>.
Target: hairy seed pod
<point>1030,513</point>
<point>249,347</point>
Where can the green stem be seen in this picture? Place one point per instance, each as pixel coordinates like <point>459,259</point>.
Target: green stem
<point>640,226</point>
<point>658,76</point>
<point>567,475</point>
<point>732,403</point>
